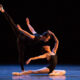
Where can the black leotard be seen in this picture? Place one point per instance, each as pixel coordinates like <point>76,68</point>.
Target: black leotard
<point>39,44</point>
<point>52,62</point>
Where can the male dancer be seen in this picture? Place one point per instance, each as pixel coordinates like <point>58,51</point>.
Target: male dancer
<point>21,35</point>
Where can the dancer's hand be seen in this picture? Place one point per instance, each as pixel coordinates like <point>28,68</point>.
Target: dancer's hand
<point>19,27</point>
<point>29,60</point>
<point>49,32</point>
<point>27,21</point>
<point>1,8</point>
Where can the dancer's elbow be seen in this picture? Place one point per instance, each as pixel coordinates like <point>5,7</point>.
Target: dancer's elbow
<point>57,41</point>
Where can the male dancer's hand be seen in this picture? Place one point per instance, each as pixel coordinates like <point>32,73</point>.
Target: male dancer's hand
<point>27,21</point>
<point>1,8</point>
<point>19,27</point>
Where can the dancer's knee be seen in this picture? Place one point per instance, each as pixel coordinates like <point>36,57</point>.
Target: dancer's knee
<point>36,72</point>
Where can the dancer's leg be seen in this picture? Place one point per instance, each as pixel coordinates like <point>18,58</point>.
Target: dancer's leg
<point>39,71</point>
<point>12,23</point>
<point>20,46</point>
<point>9,19</point>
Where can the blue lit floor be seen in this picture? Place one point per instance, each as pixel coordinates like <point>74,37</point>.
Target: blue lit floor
<point>73,73</point>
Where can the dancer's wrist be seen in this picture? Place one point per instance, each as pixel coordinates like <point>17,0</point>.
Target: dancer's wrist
<point>18,26</point>
<point>31,58</point>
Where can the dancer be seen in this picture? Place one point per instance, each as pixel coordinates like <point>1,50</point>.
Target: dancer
<point>22,35</point>
<point>50,56</point>
<point>19,36</point>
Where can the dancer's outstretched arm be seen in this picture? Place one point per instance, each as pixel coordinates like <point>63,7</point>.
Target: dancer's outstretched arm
<point>25,32</point>
<point>35,58</point>
<point>56,42</point>
<point>30,27</point>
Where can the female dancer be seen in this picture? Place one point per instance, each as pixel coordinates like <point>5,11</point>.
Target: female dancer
<point>50,56</point>
<point>21,37</point>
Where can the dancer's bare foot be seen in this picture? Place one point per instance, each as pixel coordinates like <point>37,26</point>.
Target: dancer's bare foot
<point>1,8</point>
<point>16,73</point>
<point>58,73</point>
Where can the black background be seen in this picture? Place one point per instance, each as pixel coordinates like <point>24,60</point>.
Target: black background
<point>63,18</point>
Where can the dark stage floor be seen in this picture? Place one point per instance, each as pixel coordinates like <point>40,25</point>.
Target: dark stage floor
<point>73,73</point>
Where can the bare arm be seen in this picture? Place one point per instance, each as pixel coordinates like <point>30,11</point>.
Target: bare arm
<point>38,57</point>
<point>30,27</point>
<point>56,42</point>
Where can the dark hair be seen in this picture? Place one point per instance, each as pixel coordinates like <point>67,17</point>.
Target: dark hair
<point>46,34</point>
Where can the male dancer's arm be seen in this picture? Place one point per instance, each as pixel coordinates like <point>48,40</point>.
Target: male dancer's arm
<point>56,42</point>
<point>30,27</point>
<point>25,32</point>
